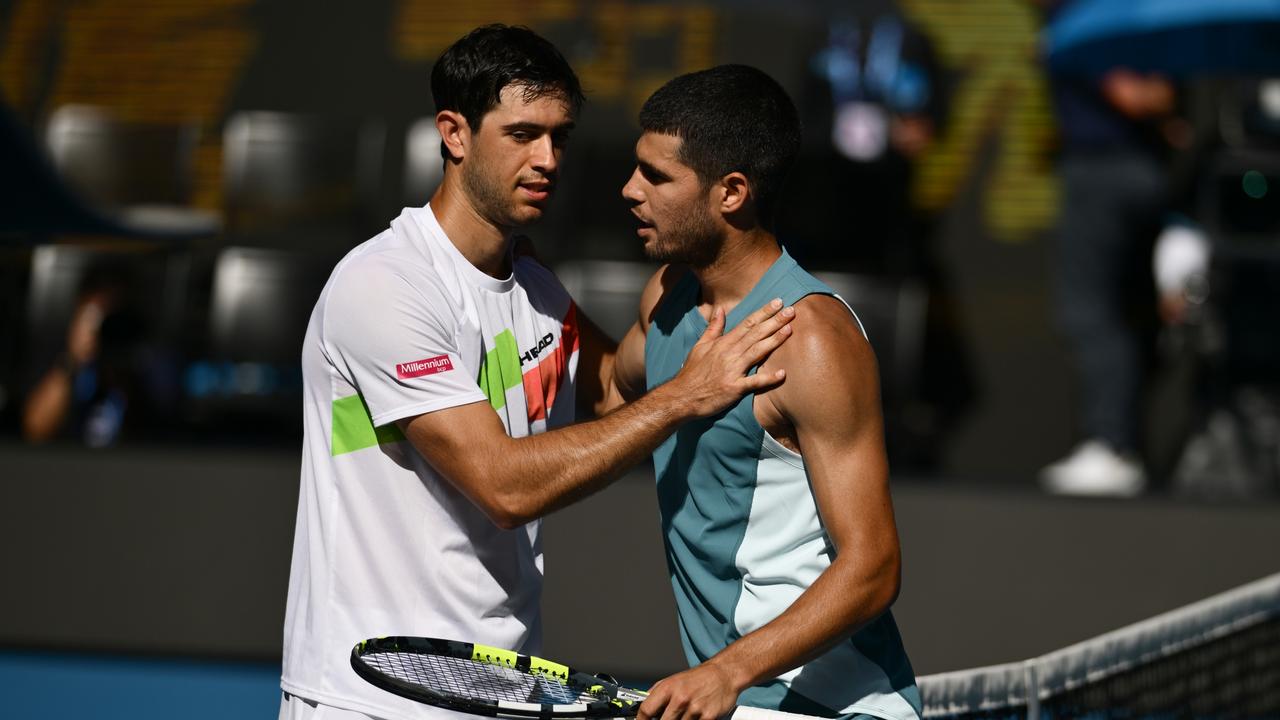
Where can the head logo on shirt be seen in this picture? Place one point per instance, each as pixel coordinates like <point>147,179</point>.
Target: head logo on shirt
<point>418,368</point>
<point>542,370</point>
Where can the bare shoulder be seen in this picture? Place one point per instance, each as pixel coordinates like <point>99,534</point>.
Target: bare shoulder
<point>824,331</point>
<point>826,357</point>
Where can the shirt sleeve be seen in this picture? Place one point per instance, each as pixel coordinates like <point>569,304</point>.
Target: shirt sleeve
<point>396,342</point>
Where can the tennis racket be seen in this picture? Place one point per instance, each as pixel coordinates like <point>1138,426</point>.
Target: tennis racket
<point>485,680</point>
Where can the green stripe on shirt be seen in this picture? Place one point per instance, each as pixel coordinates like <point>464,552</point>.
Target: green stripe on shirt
<point>500,370</point>
<point>353,428</point>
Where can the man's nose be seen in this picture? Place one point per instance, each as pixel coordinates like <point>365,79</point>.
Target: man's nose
<point>545,155</point>
<point>631,191</point>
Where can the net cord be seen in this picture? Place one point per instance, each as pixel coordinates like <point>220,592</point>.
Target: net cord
<point>1031,681</point>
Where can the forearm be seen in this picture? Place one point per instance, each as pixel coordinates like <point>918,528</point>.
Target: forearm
<point>568,464</point>
<point>516,480</point>
<point>847,596</point>
<point>536,475</point>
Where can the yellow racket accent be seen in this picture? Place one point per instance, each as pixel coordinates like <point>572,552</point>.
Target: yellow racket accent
<point>493,656</point>
<point>546,667</point>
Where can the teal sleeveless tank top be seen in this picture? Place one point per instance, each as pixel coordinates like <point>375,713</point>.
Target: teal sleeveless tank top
<point>742,532</point>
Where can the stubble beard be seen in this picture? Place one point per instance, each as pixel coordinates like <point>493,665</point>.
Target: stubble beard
<point>490,200</point>
<point>694,241</point>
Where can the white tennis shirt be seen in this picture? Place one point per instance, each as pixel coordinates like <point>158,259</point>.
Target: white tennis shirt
<point>384,545</point>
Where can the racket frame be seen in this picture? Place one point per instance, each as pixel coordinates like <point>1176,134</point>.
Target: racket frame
<point>617,702</point>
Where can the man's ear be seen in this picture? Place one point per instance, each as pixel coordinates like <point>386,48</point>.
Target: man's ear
<point>735,191</point>
<point>455,133</point>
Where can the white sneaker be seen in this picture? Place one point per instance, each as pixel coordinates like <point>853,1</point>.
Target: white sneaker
<point>1093,469</point>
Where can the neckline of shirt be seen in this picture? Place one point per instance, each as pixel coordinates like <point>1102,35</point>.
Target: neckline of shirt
<point>426,219</point>
<point>744,306</point>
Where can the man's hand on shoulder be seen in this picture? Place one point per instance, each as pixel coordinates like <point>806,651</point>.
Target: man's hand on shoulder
<point>715,373</point>
<point>715,376</point>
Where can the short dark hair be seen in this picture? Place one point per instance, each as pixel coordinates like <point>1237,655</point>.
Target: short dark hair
<point>730,118</point>
<point>470,75</point>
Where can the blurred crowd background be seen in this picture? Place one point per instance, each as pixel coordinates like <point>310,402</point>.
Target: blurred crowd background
<point>1059,220</point>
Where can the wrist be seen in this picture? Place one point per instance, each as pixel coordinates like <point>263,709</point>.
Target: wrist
<point>674,401</point>
<point>735,673</point>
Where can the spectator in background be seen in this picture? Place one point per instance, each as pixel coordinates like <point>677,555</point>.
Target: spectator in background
<point>88,389</point>
<point>1114,145</point>
<point>872,106</point>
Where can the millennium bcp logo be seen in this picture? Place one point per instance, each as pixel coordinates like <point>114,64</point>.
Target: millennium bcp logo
<point>418,368</point>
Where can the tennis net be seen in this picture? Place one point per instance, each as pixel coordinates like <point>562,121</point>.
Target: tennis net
<point>1218,658</point>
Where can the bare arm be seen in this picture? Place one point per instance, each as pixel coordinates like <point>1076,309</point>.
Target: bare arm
<point>515,480</point>
<point>626,381</point>
<point>49,403</point>
<point>831,399</point>
<point>595,368</point>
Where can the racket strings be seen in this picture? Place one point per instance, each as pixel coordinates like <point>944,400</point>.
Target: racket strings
<point>472,680</point>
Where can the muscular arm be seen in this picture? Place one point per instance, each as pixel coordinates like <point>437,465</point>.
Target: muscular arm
<point>626,380</point>
<point>515,480</point>
<point>831,400</point>
<point>595,368</point>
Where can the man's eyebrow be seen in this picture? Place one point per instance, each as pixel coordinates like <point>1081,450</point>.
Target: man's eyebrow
<point>525,126</point>
<point>651,171</point>
<point>528,126</point>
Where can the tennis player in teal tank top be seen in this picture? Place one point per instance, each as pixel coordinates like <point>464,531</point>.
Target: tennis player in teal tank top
<point>776,513</point>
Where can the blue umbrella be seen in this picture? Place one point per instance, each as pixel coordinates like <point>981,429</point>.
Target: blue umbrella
<point>1174,37</point>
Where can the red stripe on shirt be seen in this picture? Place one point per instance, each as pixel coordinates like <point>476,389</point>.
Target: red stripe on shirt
<point>543,382</point>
